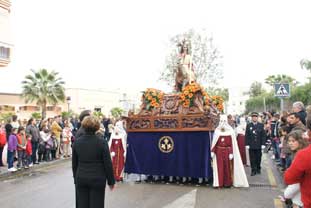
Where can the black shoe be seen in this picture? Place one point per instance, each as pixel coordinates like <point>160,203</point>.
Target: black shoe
<point>258,171</point>
<point>253,173</point>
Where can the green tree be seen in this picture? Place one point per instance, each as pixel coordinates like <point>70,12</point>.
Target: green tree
<point>36,115</point>
<point>258,103</point>
<point>116,112</point>
<point>43,87</point>
<point>301,93</point>
<point>98,114</point>
<point>6,117</point>
<point>67,114</point>
<point>306,64</point>
<point>256,89</point>
<point>281,78</point>
<point>206,58</point>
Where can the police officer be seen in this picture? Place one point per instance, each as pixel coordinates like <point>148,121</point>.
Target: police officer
<point>255,137</point>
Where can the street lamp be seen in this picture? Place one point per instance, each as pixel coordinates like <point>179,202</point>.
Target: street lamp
<point>68,99</point>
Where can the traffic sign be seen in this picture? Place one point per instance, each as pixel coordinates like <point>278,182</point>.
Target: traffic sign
<point>281,90</point>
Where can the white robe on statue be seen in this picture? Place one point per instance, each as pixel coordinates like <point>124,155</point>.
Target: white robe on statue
<point>239,175</point>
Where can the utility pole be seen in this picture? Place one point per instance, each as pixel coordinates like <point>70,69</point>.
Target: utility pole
<point>282,104</point>
<point>68,99</point>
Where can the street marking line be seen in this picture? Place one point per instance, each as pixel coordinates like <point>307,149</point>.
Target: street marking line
<point>278,203</point>
<point>185,201</point>
<point>271,177</point>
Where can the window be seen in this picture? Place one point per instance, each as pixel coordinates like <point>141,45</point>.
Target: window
<point>29,108</point>
<point>50,108</point>
<point>23,108</point>
<point>4,53</point>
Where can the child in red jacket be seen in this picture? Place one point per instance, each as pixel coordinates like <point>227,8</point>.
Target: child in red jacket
<point>28,151</point>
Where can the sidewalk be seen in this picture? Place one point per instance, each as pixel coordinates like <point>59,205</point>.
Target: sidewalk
<point>4,173</point>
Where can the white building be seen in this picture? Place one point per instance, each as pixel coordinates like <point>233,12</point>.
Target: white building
<point>237,100</point>
<point>100,99</point>
<point>5,33</point>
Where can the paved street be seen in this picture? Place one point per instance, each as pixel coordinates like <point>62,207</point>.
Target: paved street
<point>52,187</point>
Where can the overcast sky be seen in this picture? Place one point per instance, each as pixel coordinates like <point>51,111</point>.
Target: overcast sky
<point>122,44</point>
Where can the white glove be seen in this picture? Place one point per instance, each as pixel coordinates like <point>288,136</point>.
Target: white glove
<point>263,146</point>
<point>113,154</point>
<point>230,156</point>
<point>212,154</point>
<point>247,146</point>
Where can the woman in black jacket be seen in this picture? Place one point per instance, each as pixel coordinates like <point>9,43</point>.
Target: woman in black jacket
<point>91,166</point>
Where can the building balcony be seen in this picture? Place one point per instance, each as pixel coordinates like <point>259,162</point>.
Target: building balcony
<point>5,4</point>
<point>4,62</point>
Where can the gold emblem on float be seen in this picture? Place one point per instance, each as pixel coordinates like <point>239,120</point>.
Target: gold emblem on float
<point>166,144</point>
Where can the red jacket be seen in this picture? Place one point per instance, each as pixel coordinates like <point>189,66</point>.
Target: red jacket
<point>300,172</point>
<point>2,139</point>
<point>29,148</point>
<point>21,141</point>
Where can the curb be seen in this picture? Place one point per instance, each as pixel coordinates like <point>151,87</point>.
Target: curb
<point>23,172</point>
<point>280,174</point>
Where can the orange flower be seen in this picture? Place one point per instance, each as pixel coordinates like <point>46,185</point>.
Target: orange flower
<point>154,97</point>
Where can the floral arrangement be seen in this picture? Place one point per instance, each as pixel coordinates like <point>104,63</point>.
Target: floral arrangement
<point>187,94</point>
<point>218,102</point>
<point>152,98</point>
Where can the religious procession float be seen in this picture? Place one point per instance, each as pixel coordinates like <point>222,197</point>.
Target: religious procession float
<point>171,134</point>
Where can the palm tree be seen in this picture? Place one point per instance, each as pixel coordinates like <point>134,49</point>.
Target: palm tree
<point>280,78</point>
<point>43,87</point>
